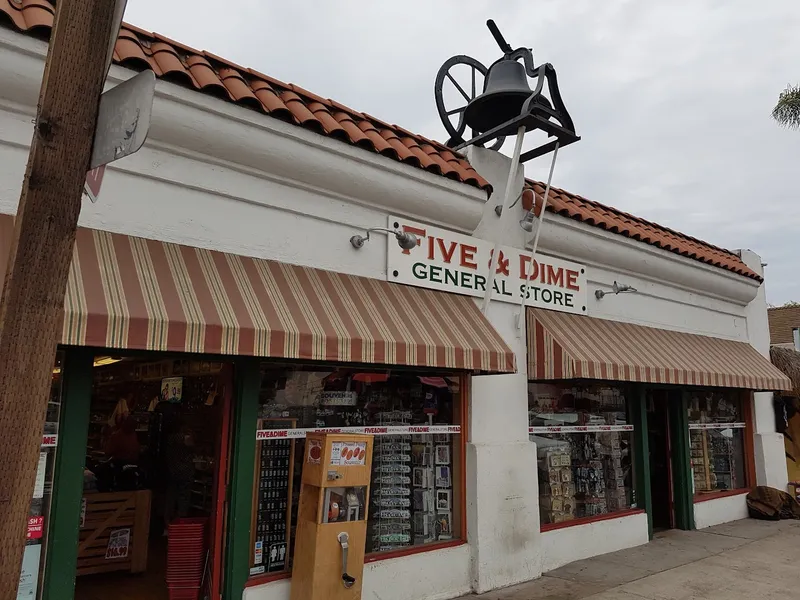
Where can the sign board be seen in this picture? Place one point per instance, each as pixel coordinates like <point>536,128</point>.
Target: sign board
<point>456,263</point>
<point>118,543</point>
<point>123,119</point>
<point>94,179</point>
<point>35,528</point>
<point>314,452</point>
<point>276,558</point>
<point>346,454</point>
<point>41,470</point>
<point>29,574</point>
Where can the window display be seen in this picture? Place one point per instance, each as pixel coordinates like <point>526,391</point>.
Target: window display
<point>716,434</point>
<point>39,514</point>
<point>414,495</point>
<point>584,449</point>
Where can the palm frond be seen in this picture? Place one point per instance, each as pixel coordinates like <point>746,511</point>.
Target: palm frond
<point>787,110</point>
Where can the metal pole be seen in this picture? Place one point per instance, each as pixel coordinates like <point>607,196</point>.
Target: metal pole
<point>512,173</point>
<point>521,315</point>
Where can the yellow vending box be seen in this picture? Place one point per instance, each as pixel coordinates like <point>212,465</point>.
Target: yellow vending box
<point>332,517</point>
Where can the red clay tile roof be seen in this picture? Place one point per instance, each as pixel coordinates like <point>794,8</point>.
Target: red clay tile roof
<point>782,320</point>
<point>203,71</point>
<point>592,213</point>
<point>170,60</point>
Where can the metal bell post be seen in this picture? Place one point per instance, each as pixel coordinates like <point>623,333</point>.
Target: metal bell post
<point>507,105</point>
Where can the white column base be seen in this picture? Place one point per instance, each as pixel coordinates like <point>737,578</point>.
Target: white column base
<point>771,460</point>
<point>503,515</point>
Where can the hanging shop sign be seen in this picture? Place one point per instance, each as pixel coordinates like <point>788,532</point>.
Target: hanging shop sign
<point>456,263</point>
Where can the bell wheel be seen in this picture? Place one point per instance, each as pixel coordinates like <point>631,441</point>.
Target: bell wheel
<point>459,81</point>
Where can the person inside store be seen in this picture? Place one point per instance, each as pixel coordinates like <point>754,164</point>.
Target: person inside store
<point>123,443</point>
<point>180,470</point>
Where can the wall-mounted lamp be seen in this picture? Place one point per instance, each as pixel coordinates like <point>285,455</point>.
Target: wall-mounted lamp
<point>405,240</point>
<point>498,209</point>
<point>617,288</point>
<point>527,221</point>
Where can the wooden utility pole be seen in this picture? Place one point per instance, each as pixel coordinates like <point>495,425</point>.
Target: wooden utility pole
<point>31,309</point>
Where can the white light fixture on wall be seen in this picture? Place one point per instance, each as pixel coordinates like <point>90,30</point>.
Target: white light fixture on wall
<point>617,288</point>
<point>405,240</point>
<point>498,209</point>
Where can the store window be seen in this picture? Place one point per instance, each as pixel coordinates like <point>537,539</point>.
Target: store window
<point>584,447</point>
<point>717,434</point>
<point>39,513</point>
<point>417,460</point>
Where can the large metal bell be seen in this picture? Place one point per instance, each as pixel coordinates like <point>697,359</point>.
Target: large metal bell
<point>505,90</point>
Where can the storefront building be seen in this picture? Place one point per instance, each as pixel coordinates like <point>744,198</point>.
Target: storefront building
<point>215,301</point>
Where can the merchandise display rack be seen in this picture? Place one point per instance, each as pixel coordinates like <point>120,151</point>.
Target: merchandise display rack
<point>272,498</point>
<point>391,485</point>
<point>713,461</point>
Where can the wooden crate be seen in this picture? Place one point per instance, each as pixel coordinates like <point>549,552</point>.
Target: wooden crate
<point>106,513</point>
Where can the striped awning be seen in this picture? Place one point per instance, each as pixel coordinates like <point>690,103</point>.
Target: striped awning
<point>133,293</point>
<point>566,346</point>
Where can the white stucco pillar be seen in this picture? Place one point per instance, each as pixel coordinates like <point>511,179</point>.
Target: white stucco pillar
<point>502,486</point>
<point>768,444</point>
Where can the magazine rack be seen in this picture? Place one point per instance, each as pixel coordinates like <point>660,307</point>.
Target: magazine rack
<point>332,517</point>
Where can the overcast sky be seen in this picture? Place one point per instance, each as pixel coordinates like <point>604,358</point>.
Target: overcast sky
<point>672,99</point>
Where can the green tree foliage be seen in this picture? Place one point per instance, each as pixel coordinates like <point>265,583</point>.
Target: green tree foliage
<point>787,110</point>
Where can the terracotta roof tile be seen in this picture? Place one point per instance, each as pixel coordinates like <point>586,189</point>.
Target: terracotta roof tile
<point>29,14</point>
<point>270,101</point>
<point>592,213</point>
<point>203,71</point>
<point>782,321</point>
<point>380,144</point>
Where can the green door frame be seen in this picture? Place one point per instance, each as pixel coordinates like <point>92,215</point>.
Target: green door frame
<point>64,519</point>
<point>641,449</point>
<point>242,468</point>
<point>65,508</point>
<point>682,478</point>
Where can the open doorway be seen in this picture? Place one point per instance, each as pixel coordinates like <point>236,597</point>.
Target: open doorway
<point>658,432</point>
<point>152,513</point>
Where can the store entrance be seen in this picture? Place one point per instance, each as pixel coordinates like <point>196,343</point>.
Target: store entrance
<point>658,432</point>
<point>153,508</point>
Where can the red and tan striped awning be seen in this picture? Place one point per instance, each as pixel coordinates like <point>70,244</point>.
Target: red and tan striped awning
<point>134,293</point>
<point>566,346</point>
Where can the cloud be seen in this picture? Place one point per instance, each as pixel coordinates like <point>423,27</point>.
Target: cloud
<point>672,100</point>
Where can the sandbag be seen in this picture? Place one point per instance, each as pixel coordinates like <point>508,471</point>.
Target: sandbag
<point>771,504</point>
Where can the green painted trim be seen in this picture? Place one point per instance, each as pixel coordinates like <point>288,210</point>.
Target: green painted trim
<point>641,454</point>
<point>682,479</point>
<point>242,465</point>
<point>65,508</point>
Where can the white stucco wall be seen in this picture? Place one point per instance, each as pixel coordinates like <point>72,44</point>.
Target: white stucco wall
<point>770,456</point>
<point>563,546</point>
<point>721,510</point>
<point>219,176</point>
<point>436,575</point>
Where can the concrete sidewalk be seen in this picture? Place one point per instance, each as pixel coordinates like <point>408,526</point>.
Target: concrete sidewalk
<point>742,560</point>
